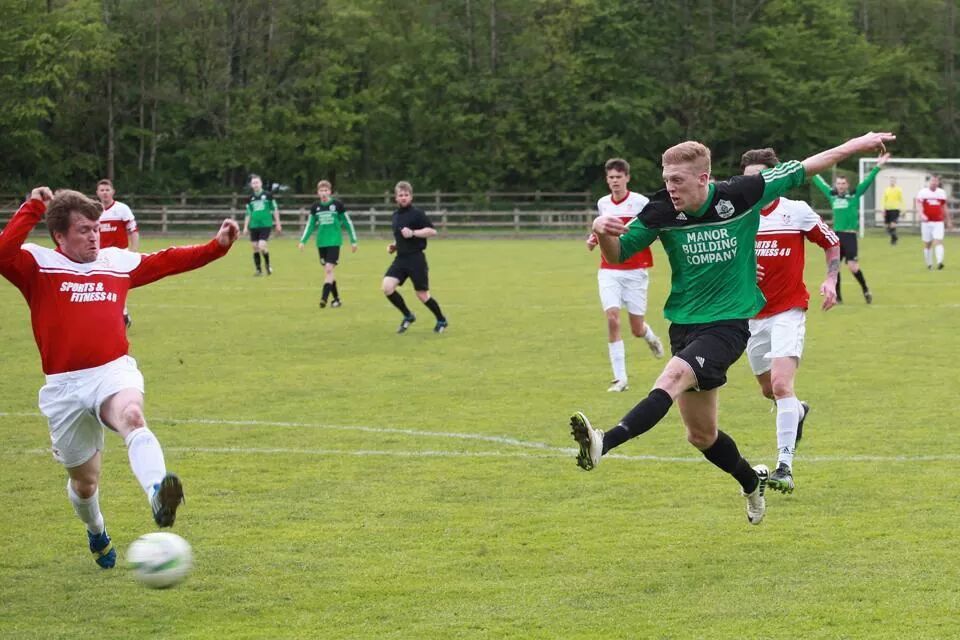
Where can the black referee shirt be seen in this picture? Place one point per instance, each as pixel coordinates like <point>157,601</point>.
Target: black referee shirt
<point>414,219</point>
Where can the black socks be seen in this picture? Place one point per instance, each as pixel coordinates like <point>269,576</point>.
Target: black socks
<point>724,454</point>
<point>333,289</point>
<point>435,308</point>
<point>639,420</point>
<point>256,259</point>
<point>863,281</point>
<point>326,292</point>
<point>397,300</point>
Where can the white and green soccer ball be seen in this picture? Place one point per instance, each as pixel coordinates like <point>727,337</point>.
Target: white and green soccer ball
<point>160,559</point>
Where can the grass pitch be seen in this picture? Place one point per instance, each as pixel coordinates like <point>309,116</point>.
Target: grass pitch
<point>346,482</point>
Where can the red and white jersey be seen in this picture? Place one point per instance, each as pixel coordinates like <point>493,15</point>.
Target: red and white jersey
<point>934,203</point>
<point>626,209</point>
<point>116,225</point>
<point>77,308</point>
<point>783,226</point>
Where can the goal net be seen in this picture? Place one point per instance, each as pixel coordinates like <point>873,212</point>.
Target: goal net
<point>911,175</point>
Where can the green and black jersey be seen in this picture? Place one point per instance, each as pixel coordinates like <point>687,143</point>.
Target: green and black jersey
<point>846,210</point>
<point>329,218</point>
<point>260,208</point>
<point>711,250</point>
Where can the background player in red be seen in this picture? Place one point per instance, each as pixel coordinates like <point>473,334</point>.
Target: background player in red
<point>777,332</point>
<point>75,294</point>
<point>932,206</point>
<point>118,227</point>
<point>623,284</point>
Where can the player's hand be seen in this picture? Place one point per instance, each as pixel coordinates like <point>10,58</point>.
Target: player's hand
<point>391,248</point>
<point>279,228</point>
<point>882,160</point>
<point>300,246</point>
<point>42,193</point>
<point>609,226</point>
<point>592,242</point>
<point>760,272</point>
<point>228,233</point>
<point>873,141</point>
<point>353,248</point>
<point>406,232</point>
<point>829,292</point>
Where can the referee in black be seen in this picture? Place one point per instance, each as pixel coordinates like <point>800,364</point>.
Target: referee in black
<point>411,228</point>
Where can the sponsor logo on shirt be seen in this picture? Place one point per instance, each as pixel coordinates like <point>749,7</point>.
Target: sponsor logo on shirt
<point>87,292</point>
<point>709,246</point>
<point>771,248</point>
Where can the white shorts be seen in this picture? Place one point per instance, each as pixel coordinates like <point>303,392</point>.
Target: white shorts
<point>71,403</point>
<point>931,231</point>
<point>624,288</point>
<point>778,336</point>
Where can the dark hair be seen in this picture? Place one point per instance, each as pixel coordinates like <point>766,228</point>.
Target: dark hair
<point>66,202</point>
<point>766,156</point>
<point>105,181</point>
<point>617,164</point>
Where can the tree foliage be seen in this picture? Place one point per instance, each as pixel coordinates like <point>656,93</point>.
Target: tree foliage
<point>456,94</point>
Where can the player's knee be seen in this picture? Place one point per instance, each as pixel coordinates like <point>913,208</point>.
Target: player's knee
<point>132,416</point>
<point>387,287</point>
<point>85,486</point>
<point>423,295</point>
<point>781,388</point>
<point>639,331</point>
<point>767,391</point>
<point>701,439</point>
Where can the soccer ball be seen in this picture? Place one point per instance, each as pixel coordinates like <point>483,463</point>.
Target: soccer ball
<point>160,559</point>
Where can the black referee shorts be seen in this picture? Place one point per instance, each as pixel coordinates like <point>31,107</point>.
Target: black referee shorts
<point>891,215</point>
<point>710,348</point>
<point>848,245</point>
<point>329,255</point>
<point>413,266</point>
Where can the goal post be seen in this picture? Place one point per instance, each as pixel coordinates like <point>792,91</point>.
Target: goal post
<point>911,175</point>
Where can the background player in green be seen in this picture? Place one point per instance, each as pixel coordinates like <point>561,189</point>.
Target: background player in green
<point>262,215</point>
<point>846,220</point>
<point>330,218</point>
<point>708,231</point>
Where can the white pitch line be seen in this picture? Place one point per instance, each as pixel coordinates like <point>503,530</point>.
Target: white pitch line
<point>549,451</point>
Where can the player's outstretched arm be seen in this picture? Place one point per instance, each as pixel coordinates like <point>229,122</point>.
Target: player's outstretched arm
<point>23,222</point>
<point>154,266</point>
<point>228,233</point>
<point>868,180</point>
<point>867,143</point>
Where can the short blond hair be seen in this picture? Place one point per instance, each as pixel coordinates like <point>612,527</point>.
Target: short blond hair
<point>403,185</point>
<point>689,152</point>
<point>325,183</point>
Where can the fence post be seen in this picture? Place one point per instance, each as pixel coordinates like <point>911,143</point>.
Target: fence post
<point>163,219</point>
<point>302,218</point>
<point>183,198</point>
<point>436,200</point>
<point>386,198</point>
<point>443,222</point>
<point>516,221</point>
<point>373,220</point>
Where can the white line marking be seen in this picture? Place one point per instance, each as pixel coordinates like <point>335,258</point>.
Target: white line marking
<point>549,451</point>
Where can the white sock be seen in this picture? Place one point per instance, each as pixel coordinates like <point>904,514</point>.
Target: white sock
<point>87,509</point>
<point>788,418</point>
<point>618,360</point>
<point>927,257</point>
<point>146,458</point>
<point>938,250</point>
<point>650,336</point>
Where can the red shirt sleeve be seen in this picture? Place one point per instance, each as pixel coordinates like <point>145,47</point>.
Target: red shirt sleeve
<point>169,262</point>
<point>16,265</point>
<point>818,232</point>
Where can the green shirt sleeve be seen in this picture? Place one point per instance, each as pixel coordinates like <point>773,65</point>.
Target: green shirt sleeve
<point>637,238</point>
<point>780,179</point>
<point>821,184</point>
<point>347,224</point>
<point>863,186</point>
<point>311,223</point>
<point>249,211</point>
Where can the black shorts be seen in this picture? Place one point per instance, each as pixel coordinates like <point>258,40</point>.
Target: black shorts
<point>260,233</point>
<point>848,245</point>
<point>329,255</point>
<point>413,266</point>
<point>710,348</point>
<point>891,215</point>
